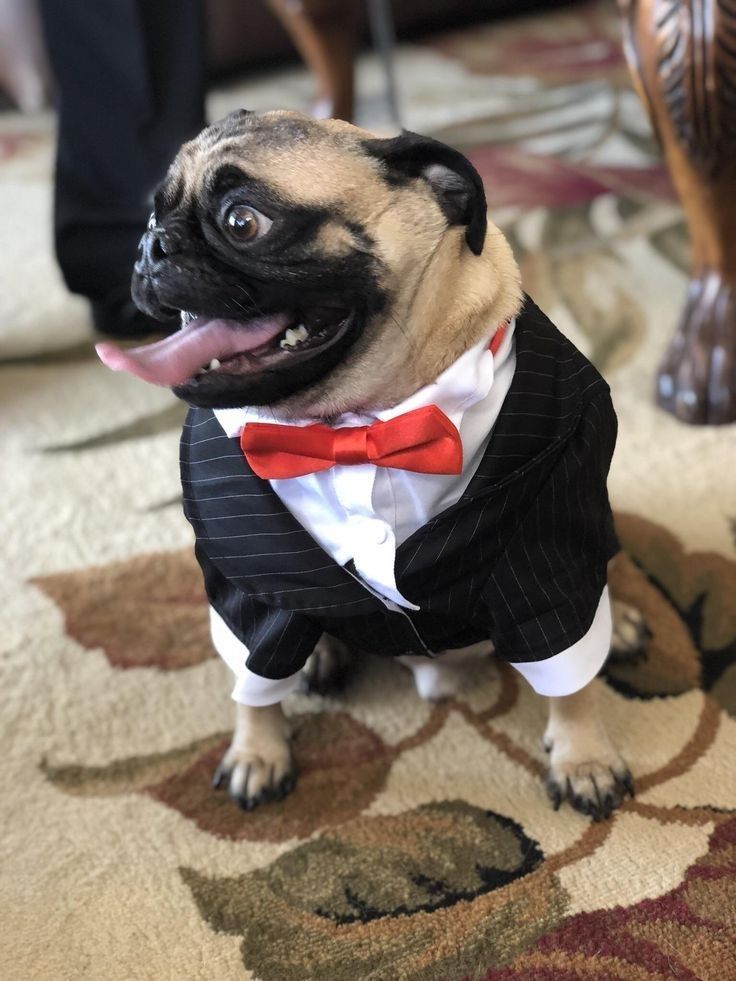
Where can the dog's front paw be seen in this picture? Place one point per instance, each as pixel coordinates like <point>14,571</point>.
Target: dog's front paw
<point>630,633</point>
<point>327,667</point>
<point>252,779</point>
<point>594,783</point>
<point>258,766</point>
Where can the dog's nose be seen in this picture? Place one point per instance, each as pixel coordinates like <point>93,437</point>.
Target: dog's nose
<point>157,244</point>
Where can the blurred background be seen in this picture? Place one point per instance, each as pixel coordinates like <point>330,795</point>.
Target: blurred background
<point>543,105</point>
<point>114,707</point>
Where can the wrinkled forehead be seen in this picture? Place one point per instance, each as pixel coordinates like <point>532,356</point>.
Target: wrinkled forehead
<point>304,161</point>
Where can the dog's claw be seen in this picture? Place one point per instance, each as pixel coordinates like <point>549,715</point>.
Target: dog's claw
<point>283,788</point>
<point>598,807</point>
<point>584,804</point>
<point>258,757</point>
<point>220,776</point>
<point>554,793</point>
<point>595,790</point>
<point>245,789</point>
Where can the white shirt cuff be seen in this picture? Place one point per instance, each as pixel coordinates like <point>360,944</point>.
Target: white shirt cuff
<point>572,669</point>
<point>250,689</point>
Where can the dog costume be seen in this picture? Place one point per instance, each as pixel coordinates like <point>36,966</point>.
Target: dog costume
<point>514,548</point>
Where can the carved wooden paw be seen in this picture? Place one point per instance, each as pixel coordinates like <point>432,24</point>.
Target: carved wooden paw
<point>697,377</point>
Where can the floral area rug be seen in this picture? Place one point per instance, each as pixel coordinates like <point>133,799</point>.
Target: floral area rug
<point>419,843</point>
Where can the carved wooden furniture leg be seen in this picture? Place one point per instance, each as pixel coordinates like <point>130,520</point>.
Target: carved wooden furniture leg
<point>324,33</point>
<point>682,55</point>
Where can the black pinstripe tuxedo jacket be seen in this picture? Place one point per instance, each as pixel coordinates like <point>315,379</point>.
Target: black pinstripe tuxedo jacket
<point>520,558</point>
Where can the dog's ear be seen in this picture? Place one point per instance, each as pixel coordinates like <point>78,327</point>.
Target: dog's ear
<point>454,180</point>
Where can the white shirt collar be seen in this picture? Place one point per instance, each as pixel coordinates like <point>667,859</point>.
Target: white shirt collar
<point>465,382</point>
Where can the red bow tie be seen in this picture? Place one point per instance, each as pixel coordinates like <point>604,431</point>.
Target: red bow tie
<point>423,440</point>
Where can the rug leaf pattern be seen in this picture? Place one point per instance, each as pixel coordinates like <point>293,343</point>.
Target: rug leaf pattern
<point>356,880</point>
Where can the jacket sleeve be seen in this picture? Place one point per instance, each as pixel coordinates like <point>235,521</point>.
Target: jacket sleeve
<point>545,590</point>
<point>278,641</point>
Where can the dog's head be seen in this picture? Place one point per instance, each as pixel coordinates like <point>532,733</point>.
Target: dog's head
<point>315,268</point>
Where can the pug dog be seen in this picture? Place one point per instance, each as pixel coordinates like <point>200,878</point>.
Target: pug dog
<point>389,448</point>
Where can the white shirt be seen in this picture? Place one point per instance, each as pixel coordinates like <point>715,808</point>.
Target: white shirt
<point>365,512</point>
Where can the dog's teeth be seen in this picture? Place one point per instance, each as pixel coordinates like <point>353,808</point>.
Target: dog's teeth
<point>214,363</point>
<point>293,337</point>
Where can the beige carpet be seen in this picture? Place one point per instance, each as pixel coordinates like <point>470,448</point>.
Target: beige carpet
<point>419,843</point>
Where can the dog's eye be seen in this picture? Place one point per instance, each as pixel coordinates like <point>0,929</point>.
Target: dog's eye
<point>243,224</point>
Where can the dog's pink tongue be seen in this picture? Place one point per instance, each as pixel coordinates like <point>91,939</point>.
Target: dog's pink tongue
<point>175,359</point>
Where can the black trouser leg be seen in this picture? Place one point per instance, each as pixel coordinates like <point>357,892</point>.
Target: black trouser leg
<point>131,82</point>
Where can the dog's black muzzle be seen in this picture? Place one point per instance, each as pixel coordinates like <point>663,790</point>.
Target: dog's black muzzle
<point>157,251</point>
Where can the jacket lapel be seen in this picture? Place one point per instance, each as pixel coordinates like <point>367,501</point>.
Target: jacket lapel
<point>248,533</point>
<point>539,414</point>
<point>541,409</point>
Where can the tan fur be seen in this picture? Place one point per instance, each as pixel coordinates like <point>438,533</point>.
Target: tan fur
<point>334,239</point>
<point>323,166</point>
<point>443,298</point>
<point>584,764</point>
<point>446,300</point>
<point>259,757</point>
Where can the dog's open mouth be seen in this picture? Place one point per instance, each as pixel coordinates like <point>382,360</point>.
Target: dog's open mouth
<point>205,347</point>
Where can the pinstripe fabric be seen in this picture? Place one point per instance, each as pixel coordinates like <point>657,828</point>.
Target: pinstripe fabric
<point>521,557</point>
